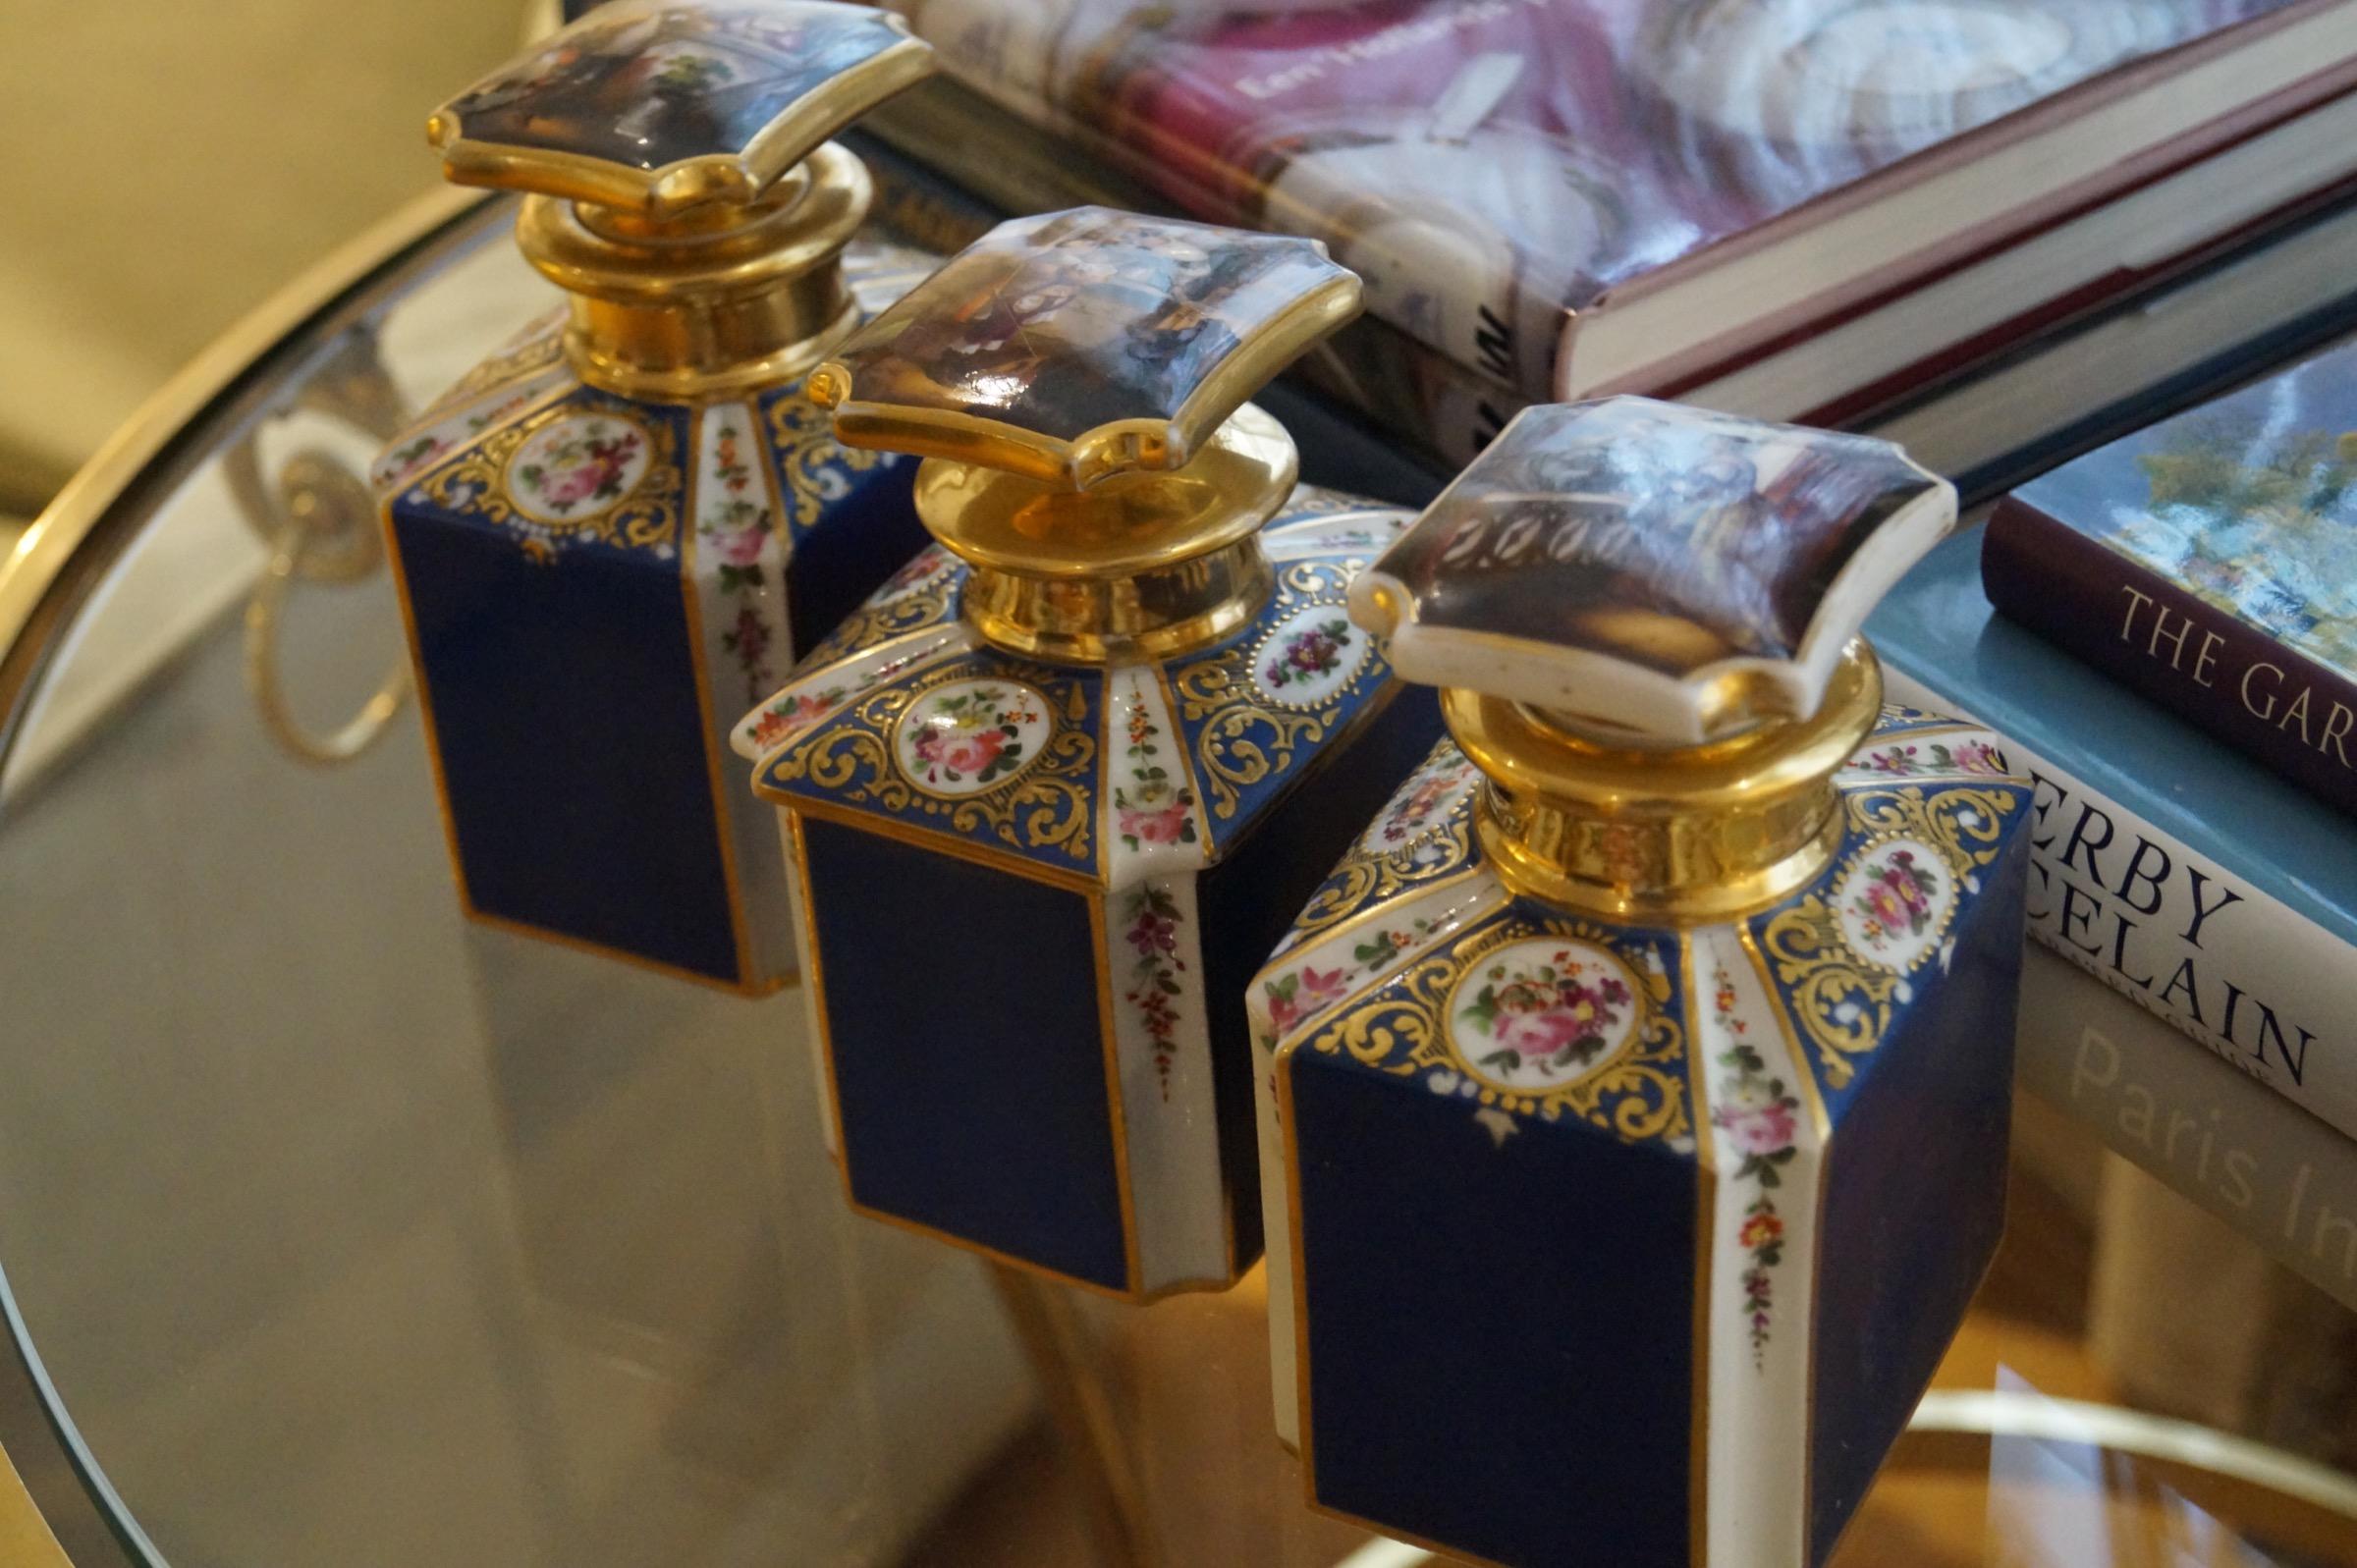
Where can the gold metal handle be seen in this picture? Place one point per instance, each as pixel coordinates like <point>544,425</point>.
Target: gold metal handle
<point>324,512</point>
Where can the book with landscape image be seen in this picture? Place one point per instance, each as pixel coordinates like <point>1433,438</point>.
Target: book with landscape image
<point>2210,561</point>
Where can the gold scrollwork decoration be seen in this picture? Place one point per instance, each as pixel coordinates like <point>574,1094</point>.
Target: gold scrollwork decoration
<point>647,519</point>
<point>1310,580</point>
<point>1245,740</point>
<point>1045,807</point>
<point>1242,741</point>
<point>1841,1004</point>
<point>1363,878</point>
<point>534,346</point>
<point>890,614</point>
<point>1840,1000</point>
<point>1639,1096</point>
<point>811,463</point>
<point>1965,822</point>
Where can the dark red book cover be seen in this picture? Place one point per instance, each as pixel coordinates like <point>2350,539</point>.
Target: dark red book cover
<point>2210,561</point>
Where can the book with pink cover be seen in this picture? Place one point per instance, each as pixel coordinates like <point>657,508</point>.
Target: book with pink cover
<point>1576,197</point>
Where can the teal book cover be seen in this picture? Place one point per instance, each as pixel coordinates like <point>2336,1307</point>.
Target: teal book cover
<point>2187,877</point>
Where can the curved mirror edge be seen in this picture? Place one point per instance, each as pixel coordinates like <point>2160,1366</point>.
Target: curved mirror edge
<point>46,583</point>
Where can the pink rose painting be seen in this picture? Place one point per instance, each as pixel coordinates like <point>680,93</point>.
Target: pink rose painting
<point>789,713</point>
<point>1552,1014</point>
<point>1895,899</point>
<point>1152,808</point>
<point>1294,997</point>
<point>584,461</point>
<point>1760,1120</point>
<point>1161,825</point>
<point>961,751</point>
<point>973,734</point>
<point>741,546</point>
<point>1977,757</point>
<point>1756,1124</point>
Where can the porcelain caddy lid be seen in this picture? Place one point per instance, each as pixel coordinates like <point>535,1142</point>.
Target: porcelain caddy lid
<point>1645,618</point>
<point>905,721</point>
<point>655,107</point>
<point>1077,383</point>
<point>683,189</point>
<point>1651,576</point>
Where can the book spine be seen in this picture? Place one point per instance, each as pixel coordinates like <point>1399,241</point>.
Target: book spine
<point>2205,664</point>
<point>2182,937</point>
<point>2281,1178</point>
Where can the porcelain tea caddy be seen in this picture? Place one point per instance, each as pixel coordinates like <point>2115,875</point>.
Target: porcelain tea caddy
<point>1056,789</point>
<point>1634,1093</point>
<point>617,531</point>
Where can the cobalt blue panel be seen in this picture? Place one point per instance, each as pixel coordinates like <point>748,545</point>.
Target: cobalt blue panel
<point>1440,1303</point>
<point>572,740</point>
<point>863,539</point>
<point>1247,903</point>
<point>854,540</point>
<point>990,1121</point>
<point>1914,1201</point>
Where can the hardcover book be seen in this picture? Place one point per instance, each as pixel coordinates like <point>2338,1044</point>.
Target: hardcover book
<point>2284,1180</point>
<point>2187,878</point>
<point>952,148</point>
<point>1581,197</point>
<point>2211,563</point>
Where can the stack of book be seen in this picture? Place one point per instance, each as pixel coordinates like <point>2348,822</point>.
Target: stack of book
<point>2166,632</point>
<point>1788,208</point>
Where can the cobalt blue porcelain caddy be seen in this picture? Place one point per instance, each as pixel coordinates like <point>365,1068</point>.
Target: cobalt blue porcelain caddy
<point>1054,790</point>
<point>1635,1092</point>
<point>617,531</point>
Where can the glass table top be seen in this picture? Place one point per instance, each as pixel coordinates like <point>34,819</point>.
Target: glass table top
<point>338,1231</point>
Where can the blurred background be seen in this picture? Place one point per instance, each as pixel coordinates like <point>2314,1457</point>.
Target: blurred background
<point>169,166</point>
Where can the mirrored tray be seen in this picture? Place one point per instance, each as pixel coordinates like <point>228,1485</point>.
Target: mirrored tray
<point>338,1231</point>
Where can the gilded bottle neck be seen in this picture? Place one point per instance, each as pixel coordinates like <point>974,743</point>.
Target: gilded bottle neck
<point>1157,614</point>
<point>1679,837</point>
<point>1142,565</point>
<point>720,299</point>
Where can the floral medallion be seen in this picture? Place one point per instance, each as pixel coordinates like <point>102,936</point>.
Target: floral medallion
<point>1538,1014</point>
<point>1430,797</point>
<point>578,468</point>
<point>1309,657</point>
<point>966,736</point>
<point>1895,902</point>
